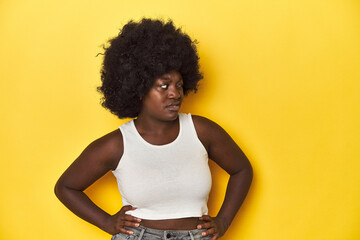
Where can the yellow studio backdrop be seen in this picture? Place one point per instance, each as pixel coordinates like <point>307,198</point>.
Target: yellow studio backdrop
<point>282,77</point>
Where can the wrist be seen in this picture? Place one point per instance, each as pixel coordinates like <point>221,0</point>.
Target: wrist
<point>225,224</point>
<point>107,225</point>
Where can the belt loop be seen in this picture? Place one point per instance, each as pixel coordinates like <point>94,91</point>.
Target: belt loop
<point>191,236</point>
<point>141,234</point>
<point>164,234</point>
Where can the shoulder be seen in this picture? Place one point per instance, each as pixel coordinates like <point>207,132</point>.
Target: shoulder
<point>205,125</point>
<point>108,148</point>
<point>202,121</point>
<point>109,141</point>
<point>207,130</point>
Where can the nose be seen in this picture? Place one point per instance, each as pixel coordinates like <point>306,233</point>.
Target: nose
<point>175,92</point>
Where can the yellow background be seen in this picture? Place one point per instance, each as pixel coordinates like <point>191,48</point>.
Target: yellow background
<point>282,77</point>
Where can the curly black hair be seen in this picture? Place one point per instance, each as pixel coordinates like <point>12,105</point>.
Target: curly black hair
<point>142,52</point>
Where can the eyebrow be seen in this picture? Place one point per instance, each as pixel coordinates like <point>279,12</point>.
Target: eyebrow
<point>168,79</point>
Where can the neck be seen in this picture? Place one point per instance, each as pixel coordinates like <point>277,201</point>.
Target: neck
<point>146,123</point>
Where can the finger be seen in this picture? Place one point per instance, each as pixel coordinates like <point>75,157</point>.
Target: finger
<point>131,224</point>
<point>205,218</point>
<point>205,225</point>
<point>130,218</point>
<point>208,232</point>
<point>215,236</point>
<point>126,231</point>
<point>127,208</point>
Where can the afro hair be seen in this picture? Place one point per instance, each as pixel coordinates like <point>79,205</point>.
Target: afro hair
<point>142,52</point>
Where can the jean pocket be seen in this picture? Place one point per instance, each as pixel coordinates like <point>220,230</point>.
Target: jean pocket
<point>203,238</point>
<point>121,236</point>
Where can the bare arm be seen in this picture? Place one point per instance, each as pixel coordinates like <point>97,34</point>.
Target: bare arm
<point>96,160</point>
<point>227,154</point>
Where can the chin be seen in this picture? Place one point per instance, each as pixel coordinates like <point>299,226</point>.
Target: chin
<point>172,116</point>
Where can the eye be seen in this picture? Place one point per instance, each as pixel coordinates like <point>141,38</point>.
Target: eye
<point>164,86</point>
<point>180,85</point>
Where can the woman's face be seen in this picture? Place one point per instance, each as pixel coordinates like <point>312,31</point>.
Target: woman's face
<point>164,99</point>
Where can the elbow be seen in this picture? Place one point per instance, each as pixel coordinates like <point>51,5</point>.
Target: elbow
<point>250,171</point>
<point>58,189</point>
<point>245,173</point>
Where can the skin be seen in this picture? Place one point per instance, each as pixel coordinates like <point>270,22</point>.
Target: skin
<point>158,124</point>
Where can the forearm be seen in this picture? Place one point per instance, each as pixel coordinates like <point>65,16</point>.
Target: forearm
<point>81,205</point>
<point>237,189</point>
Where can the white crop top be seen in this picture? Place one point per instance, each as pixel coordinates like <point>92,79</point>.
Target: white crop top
<point>164,181</point>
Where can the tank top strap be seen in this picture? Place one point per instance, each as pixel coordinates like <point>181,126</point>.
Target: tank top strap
<point>188,124</point>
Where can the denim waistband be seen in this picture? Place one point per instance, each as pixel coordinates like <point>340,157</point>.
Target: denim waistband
<point>144,233</point>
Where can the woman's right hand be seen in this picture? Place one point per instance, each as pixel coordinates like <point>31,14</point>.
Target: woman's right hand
<point>120,220</point>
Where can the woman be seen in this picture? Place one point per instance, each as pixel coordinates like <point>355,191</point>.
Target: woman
<point>160,158</point>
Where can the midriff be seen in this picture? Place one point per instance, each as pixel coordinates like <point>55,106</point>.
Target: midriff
<point>172,224</point>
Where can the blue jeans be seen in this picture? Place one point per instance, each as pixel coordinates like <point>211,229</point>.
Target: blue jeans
<point>144,233</point>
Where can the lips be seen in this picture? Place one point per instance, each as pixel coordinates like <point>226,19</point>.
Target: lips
<point>173,106</point>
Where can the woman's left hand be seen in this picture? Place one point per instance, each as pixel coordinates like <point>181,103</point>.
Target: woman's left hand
<point>214,225</point>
